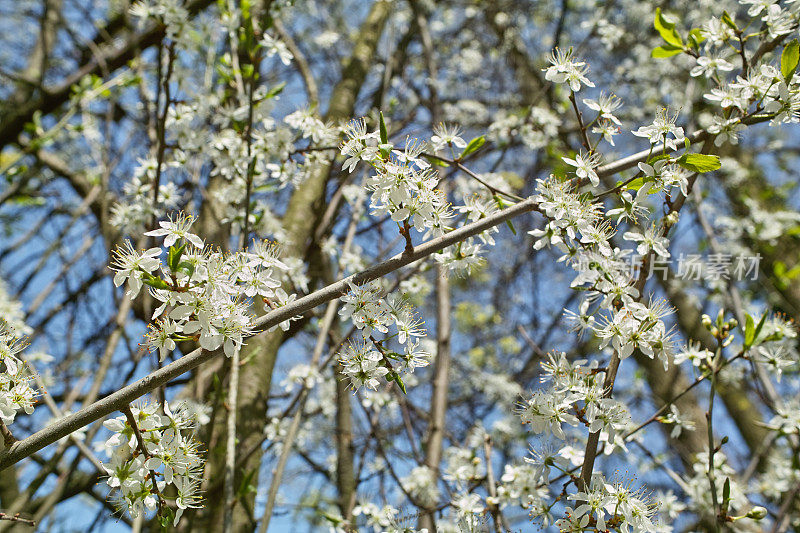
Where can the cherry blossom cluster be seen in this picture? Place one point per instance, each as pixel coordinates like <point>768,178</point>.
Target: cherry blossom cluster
<point>166,462</point>
<point>575,396</point>
<point>578,229</point>
<point>603,506</point>
<point>204,295</point>
<point>16,390</point>
<point>762,88</point>
<point>404,184</point>
<point>565,68</point>
<point>366,360</point>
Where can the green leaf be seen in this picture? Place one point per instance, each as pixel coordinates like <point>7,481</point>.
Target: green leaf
<point>511,227</point>
<point>436,162</point>
<point>473,146</point>
<point>397,379</point>
<point>167,517</point>
<point>789,59</point>
<point>661,52</point>
<point>275,91</point>
<point>749,331</point>
<point>653,160</point>
<point>699,162</point>
<point>156,283</point>
<point>27,200</point>
<point>186,266</point>
<point>384,132</point>
<point>696,38</point>
<point>246,486</point>
<point>759,326</point>
<point>174,256</point>
<point>634,185</point>
<point>726,495</point>
<point>333,519</point>
<point>502,205</point>
<point>726,18</point>
<point>667,29</point>
<point>385,148</point>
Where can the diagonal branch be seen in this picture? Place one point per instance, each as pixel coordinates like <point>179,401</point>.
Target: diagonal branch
<point>126,395</point>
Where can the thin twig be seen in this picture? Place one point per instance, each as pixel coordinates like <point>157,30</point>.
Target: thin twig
<point>17,518</point>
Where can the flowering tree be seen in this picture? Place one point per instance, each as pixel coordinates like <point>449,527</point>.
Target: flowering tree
<point>399,266</point>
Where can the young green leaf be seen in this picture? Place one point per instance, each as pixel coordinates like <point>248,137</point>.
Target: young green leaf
<point>749,331</point>
<point>726,18</point>
<point>156,283</point>
<point>657,158</point>
<point>246,486</point>
<point>759,326</point>
<point>667,29</point>
<point>397,379</point>
<point>174,256</point>
<point>661,52</point>
<point>699,162</point>
<point>384,131</point>
<point>696,38</point>
<point>275,91</point>
<point>789,59</point>
<point>726,495</point>
<point>436,162</point>
<point>634,185</point>
<point>186,266</point>
<point>473,146</point>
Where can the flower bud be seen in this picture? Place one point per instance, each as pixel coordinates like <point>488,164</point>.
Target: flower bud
<point>757,513</point>
<point>672,218</point>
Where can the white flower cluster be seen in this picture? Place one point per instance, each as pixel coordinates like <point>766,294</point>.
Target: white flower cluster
<point>16,391</point>
<point>569,215</point>
<point>577,228</point>
<point>536,129</point>
<point>519,486</point>
<point>171,13</point>
<point>662,130</point>
<point>404,185</point>
<point>463,466</point>
<point>697,487</point>
<point>137,209</point>
<point>615,505</point>
<point>168,455</point>
<point>564,68</point>
<point>762,88</point>
<point>203,294</point>
<point>311,127</point>
<point>575,396</point>
<point>421,485</point>
<point>367,359</point>
<point>638,326</point>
